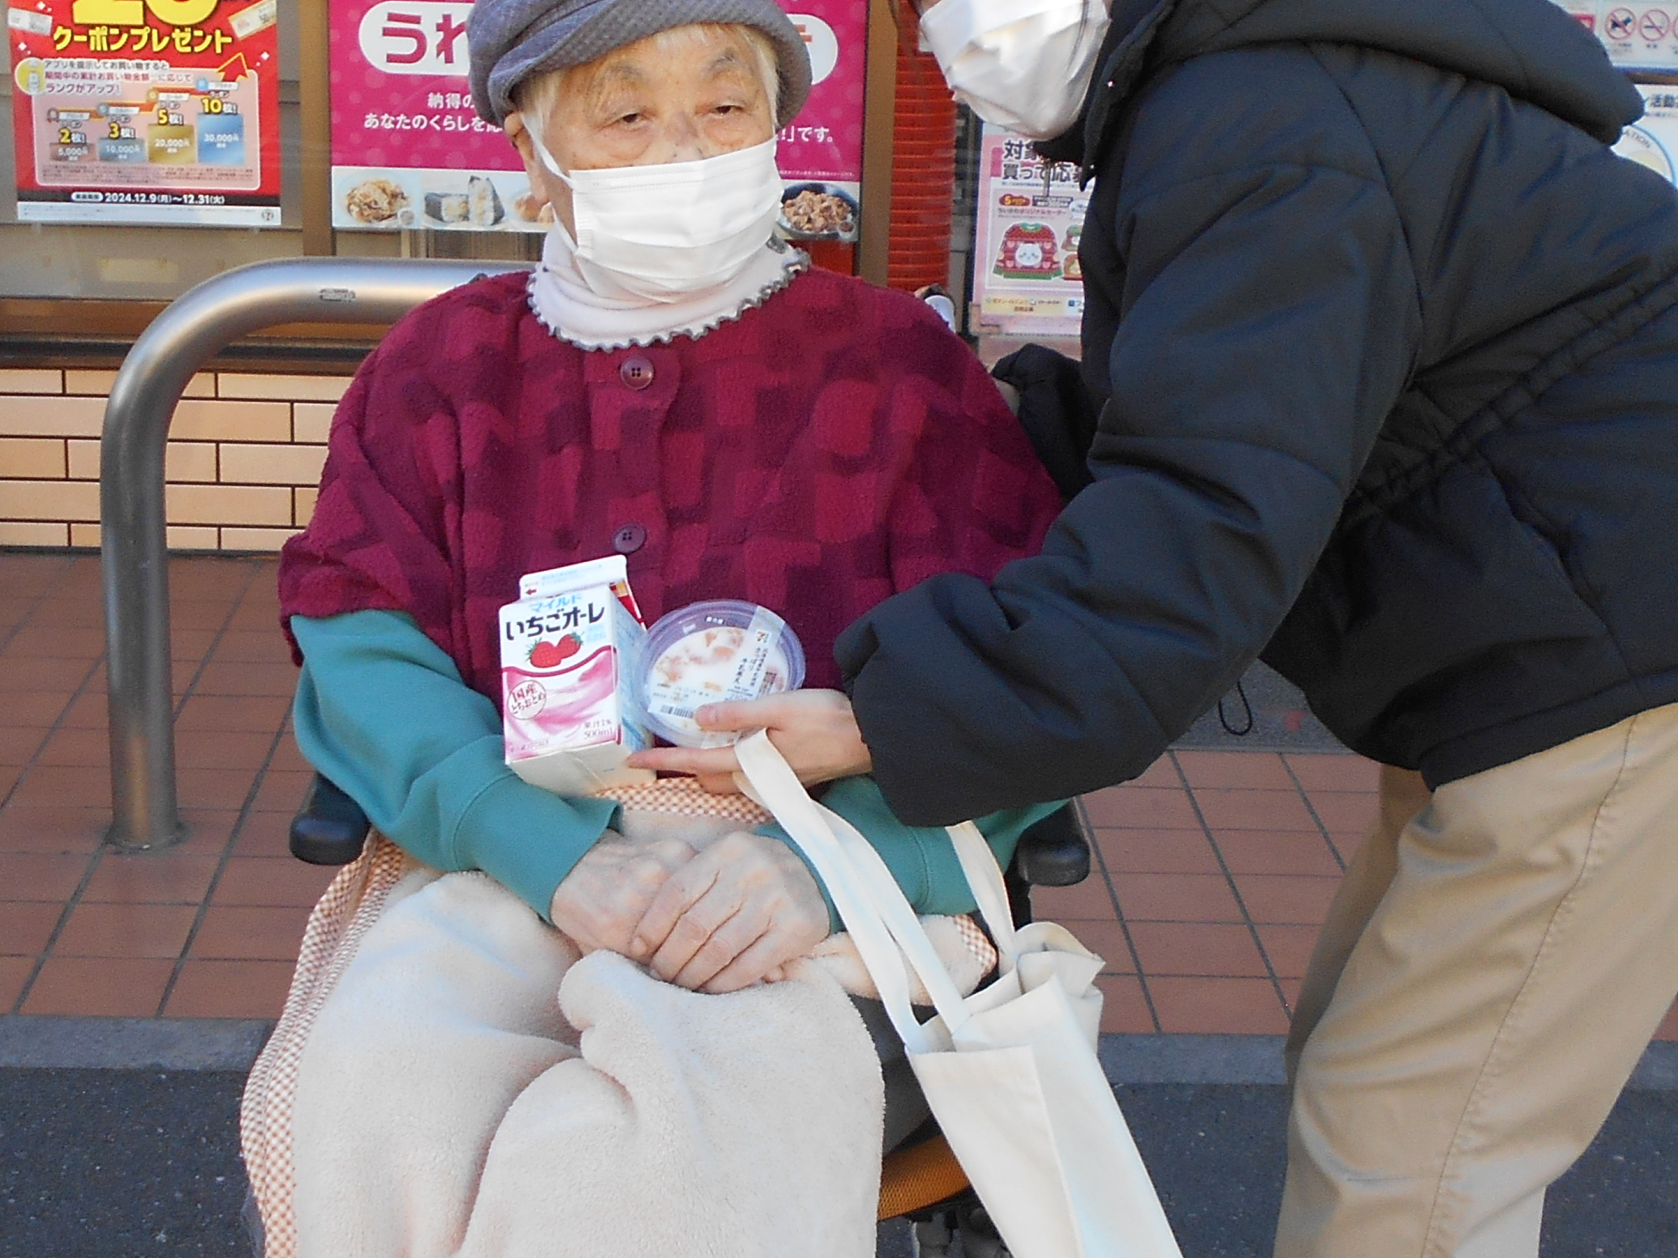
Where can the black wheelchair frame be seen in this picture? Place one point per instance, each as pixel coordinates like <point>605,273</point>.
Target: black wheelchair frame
<point>330,829</point>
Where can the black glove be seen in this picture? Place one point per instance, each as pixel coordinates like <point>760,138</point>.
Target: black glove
<point>1055,411</point>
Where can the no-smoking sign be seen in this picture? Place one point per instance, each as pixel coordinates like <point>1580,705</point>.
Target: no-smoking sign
<point>1637,34</point>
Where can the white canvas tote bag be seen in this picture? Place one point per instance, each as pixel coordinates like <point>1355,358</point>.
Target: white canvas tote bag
<point>1011,1071</point>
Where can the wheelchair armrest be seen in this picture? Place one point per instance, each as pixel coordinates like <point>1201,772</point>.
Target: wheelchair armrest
<point>330,828</point>
<point>1053,852</point>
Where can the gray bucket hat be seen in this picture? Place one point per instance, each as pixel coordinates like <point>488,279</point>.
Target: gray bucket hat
<point>511,40</point>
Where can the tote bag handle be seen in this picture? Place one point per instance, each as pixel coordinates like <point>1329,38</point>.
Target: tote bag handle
<point>1024,1103</point>
<point>984,877</point>
<point>880,920</point>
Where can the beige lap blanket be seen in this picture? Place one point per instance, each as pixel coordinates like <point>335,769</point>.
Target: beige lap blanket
<point>451,1078</point>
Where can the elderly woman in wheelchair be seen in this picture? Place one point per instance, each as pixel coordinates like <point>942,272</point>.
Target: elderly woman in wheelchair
<point>591,1024</point>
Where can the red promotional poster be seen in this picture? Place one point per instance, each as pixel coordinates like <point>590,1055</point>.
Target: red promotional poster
<point>409,152</point>
<point>146,111</point>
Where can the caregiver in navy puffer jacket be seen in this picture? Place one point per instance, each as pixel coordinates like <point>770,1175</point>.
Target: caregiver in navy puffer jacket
<point>1385,346</point>
<point>1381,356</point>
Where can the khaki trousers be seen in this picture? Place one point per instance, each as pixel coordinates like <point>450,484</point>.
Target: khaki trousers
<point>1496,961</point>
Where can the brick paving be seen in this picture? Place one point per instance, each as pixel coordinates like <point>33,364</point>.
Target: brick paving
<point>1213,869</point>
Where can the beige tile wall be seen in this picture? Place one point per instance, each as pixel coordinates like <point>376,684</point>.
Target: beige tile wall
<point>243,459</point>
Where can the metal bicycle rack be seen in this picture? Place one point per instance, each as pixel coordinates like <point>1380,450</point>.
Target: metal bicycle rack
<point>133,548</point>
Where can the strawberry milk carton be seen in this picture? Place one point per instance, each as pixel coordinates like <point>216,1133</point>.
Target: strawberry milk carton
<point>567,714</point>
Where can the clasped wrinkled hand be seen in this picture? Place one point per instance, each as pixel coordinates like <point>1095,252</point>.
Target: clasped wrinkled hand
<point>603,898</point>
<point>732,916</point>
<point>716,919</point>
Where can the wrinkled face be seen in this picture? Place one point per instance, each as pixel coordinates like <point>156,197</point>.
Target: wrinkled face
<point>678,96</point>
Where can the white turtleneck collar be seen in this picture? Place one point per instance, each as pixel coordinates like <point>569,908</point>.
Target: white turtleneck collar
<point>573,311</point>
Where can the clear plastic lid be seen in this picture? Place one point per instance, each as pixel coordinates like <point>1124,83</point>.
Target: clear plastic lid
<point>713,652</point>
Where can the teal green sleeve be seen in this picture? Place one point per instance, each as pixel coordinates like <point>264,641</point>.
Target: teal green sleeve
<point>383,712</point>
<point>921,858</point>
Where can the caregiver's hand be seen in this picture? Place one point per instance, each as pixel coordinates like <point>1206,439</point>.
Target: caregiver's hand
<point>732,916</point>
<point>607,893</point>
<point>815,730</point>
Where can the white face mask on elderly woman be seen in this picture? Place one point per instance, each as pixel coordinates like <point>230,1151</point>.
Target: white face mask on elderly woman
<point>1021,64</point>
<point>665,231</point>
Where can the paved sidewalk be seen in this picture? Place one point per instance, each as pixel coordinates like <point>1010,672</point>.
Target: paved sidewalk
<point>136,987</point>
<point>1213,868</point>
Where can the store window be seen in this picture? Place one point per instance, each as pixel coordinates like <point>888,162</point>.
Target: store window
<point>78,249</point>
<point>292,127</point>
<point>152,144</point>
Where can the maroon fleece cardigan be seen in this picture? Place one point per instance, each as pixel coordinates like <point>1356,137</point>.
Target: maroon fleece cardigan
<point>821,452</point>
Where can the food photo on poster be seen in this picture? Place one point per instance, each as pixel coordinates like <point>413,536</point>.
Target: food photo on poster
<point>158,112</point>
<point>820,211</point>
<point>409,151</point>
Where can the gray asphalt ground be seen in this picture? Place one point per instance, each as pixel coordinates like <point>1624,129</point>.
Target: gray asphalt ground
<point>1216,1153</point>
<point>102,1162</point>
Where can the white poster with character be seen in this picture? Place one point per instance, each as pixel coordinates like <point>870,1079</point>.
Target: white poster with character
<point>1026,277</point>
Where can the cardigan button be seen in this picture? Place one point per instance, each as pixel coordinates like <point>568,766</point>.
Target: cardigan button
<point>629,539</point>
<point>636,372</point>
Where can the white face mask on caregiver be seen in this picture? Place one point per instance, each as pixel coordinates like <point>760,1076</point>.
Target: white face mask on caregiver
<point>663,231</point>
<point>1022,64</point>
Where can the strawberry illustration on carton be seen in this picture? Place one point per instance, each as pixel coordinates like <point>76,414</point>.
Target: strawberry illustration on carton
<point>553,654</point>
<point>568,717</point>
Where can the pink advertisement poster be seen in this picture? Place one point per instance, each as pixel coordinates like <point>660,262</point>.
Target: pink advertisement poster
<point>408,152</point>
